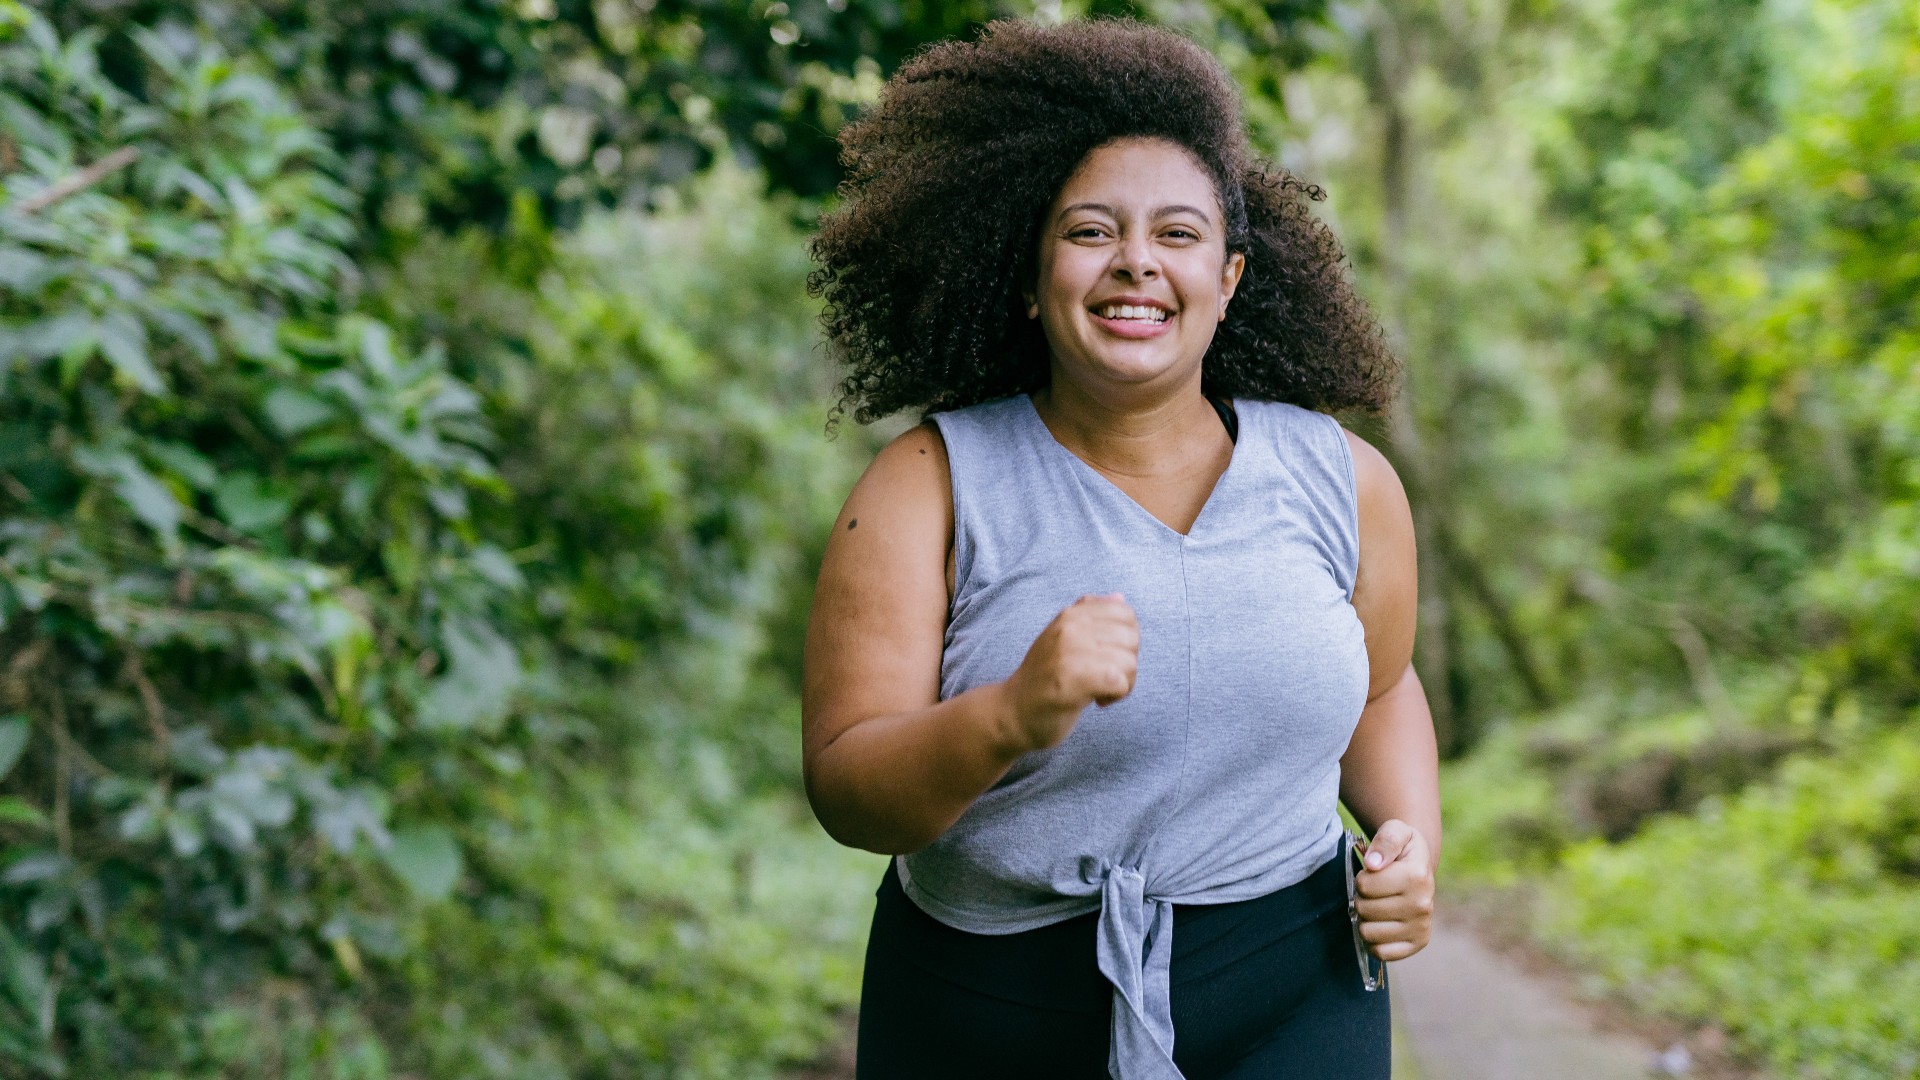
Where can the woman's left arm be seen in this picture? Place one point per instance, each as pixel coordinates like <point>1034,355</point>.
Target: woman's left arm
<point>1390,774</point>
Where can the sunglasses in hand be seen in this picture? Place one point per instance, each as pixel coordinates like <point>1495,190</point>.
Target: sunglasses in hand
<point>1373,970</point>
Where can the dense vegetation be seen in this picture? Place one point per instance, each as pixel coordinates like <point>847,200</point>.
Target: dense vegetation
<point>396,651</point>
<point>411,465</point>
<point>1657,270</point>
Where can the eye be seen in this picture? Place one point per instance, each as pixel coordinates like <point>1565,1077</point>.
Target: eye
<point>1084,232</point>
<point>1181,232</point>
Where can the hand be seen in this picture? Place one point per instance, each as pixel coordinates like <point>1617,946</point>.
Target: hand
<point>1396,892</point>
<point>1088,655</point>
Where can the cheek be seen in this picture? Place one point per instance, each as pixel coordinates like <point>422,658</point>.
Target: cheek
<point>1199,286</point>
<point>1067,277</point>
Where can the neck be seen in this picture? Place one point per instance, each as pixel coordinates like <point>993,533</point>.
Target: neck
<point>1143,432</point>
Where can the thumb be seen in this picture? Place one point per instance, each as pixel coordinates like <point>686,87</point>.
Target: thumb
<point>1389,843</point>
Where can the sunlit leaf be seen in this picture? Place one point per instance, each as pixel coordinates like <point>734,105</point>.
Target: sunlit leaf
<point>123,340</point>
<point>17,811</point>
<point>427,859</point>
<point>13,742</point>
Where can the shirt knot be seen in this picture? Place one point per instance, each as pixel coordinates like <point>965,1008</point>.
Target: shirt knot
<point>1135,952</point>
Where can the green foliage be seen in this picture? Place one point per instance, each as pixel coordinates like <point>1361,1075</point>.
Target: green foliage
<point>387,676</point>
<point>661,428</point>
<point>1789,915</point>
<point>1679,436</point>
<point>641,394</point>
<point>238,517</point>
<point>445,111</point>
<point>688,948</point>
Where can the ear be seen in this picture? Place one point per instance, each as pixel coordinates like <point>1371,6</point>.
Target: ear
<point>1033,304</point>
<point>1230,272</point>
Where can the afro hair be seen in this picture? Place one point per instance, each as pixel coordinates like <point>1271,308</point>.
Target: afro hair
<point>923,264</point>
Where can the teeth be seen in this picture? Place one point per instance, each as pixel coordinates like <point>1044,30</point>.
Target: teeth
<point>1140,312</point>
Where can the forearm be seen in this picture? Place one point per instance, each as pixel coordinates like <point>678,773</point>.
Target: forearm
<point>1392,766</point>
<point>893,784</point>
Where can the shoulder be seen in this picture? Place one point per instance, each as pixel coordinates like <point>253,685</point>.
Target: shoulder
<point>908,475</point>
<point>1318,451</point>
<point>1309,431</point>
<point>1387,586</point>
<point>1375,481</point>
<point>890,542</point>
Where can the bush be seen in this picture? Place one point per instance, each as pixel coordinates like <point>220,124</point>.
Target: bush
<point>1789,915</point>
<point>239,519</point>
<point>354,637</point>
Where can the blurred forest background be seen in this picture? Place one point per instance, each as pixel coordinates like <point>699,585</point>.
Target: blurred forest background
<point>412,469</point>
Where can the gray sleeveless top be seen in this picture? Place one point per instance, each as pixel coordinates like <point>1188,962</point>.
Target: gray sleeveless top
<point>1217,779</point>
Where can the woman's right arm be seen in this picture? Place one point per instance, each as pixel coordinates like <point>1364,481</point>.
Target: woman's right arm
<point>889,766</point>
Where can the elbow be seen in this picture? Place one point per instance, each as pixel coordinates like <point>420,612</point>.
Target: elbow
<point>863,835</point>
<point>850,825</point>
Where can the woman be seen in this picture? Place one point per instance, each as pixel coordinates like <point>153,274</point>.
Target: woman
<point>1098,647</point>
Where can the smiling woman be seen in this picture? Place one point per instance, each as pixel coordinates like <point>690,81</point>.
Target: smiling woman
<point>928,265</point>
<point>1126,618</point>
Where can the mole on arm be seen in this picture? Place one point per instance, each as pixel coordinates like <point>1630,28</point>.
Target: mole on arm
<point>923,449</point>
<point>851,523</point>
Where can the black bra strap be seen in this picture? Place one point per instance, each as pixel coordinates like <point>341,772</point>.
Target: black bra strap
<point>1227,417</point>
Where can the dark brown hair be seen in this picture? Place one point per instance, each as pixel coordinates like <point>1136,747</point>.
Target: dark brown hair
<point>923,264</point>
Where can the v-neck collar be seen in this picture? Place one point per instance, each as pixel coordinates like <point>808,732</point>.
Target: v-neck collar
<point>1100,479</point>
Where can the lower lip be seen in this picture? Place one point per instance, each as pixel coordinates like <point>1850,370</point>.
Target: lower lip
<point>1133,328</point>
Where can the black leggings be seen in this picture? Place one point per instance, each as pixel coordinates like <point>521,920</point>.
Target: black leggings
<point>1262,989</point>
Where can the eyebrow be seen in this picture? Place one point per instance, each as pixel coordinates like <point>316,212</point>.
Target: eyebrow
<point>1164,211</point>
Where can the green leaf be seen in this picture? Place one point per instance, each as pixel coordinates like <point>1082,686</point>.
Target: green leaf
<point>18,811</point>
<point>56,335</point>
<point>497,567</point>
<point>483,671</point>
<point>22,269</point>
<point>188,463</point>
<point>25,976</point>
<point>124,342</point>
<point>188,330</point>
<point>252,336</point>
<point>150,500</point>
<point>293,412</point>
<point>249,503</point>
<point>39,865</point>
<point>427,858</point>
<point>13,742</point>
<point>376,349</point>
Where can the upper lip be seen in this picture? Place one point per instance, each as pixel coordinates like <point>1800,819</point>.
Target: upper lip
<point>1133,301</point>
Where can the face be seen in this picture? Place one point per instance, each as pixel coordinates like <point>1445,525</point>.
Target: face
<point>1134,274</point>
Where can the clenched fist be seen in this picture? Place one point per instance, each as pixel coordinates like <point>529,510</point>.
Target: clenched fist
<point>1088,655</point>
<point>1396,892</point>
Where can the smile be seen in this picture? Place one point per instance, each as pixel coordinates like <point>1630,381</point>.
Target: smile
<point>1142,319</point>
<point>1134,313</point>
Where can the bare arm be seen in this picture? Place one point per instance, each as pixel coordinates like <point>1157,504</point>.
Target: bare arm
<point>1390,774</point>
<point>889,766</point>
<point>1391,768</point>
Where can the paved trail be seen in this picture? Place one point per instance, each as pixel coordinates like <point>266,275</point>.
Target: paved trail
<point>1464,1012</point>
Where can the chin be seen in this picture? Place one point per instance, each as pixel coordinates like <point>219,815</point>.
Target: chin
<point>1132,365</point>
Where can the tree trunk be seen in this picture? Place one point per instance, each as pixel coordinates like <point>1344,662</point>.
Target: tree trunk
<point>1387,66</point>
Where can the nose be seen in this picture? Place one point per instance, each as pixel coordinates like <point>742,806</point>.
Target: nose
<point>1135,259</point>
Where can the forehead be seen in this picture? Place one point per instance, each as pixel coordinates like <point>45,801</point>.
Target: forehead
<point>1139,173</point>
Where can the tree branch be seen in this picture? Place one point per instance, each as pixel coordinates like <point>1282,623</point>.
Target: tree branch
<point>80,181</point>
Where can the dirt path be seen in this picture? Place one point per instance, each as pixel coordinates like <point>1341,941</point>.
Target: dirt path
<point>1466,1012</point>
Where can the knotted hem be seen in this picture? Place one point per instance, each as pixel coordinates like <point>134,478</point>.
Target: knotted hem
<point>1135,952</point>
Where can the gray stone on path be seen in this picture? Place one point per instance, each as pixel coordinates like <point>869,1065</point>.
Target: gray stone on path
<point>1467,1013</point>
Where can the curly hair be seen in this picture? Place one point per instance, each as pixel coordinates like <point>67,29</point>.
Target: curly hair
<point>923,264</point>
